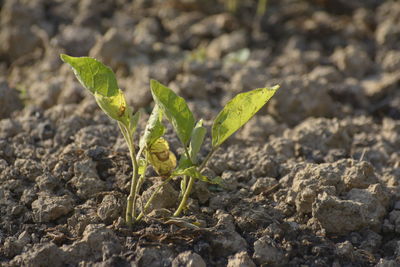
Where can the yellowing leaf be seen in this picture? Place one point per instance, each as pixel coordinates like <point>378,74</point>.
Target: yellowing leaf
<point>114,106</point>
<point>161,158</point>
<point>238,111</point>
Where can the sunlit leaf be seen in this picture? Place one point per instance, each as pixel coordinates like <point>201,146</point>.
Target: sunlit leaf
<point>175,109</point>
<point>196,140</point>
<point>238,111</point>
<point>93,75</point>
<point>101,82</point>
<point>154,128</point>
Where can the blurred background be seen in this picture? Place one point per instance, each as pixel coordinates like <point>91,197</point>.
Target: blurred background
<point>332,58</point>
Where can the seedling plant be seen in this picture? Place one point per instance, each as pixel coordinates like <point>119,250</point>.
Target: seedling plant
<point>152,149</point>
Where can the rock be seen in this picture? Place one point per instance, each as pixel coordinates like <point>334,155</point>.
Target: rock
<point>345,249</point>
<point>214,25</point>
<point>188,258</point>
<point>154,256</point>
<point>96,135</point>
<point>319,134</point>
<point>109,209</point>
<point>359,175</point>
<point>325,74</point>
<point>17,37</point>
<point>386,263</point>
<point>265,166</point>
<point>364,208</point>
<point>137,92</point>
<point>226,240</point>
<point>43,254</point>
<point>48,208</point>
<point>45,94</point>
<point>248,78</point>
<point>9,100</point>
<point>9,128</point>
<point>98,243</point>
<point>82,216</point>
<point>378,86</point>
<point>352,61</point>
<point>261,128</point>
<point>240,259</point>
<point>229,180</point>
<point>262,184</point>
<point>147,32</point>
<point>47,183</point>
<point>166,198</point>
<point>299,98</point>
<point>86,179</point>
<point>112,48</point>
<point>394,219</point>
<point>266,252</point>
<point>28,168</point>
<point>391,61</point>
<point>226,43</point>
<point>76,40</point>
<point>190,86</point>
<point>387,33</point>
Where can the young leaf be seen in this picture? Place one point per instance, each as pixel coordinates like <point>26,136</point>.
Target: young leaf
<point>101,82</point>
<point>238,111</point>
<point>133,121</point>
<point>193,172</point>
<point>114,106</point>
<point>197,139</point>
<point>154,128</point>
<point>176,110</point>
<point>93,75</point>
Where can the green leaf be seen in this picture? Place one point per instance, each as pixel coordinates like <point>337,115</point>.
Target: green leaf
<point>93,75</point>
<point>175,109</point>
<point>238,111</point>
<point>196,141</point>
<point>133,122</point>
<point>101,82</point>
<point>154,128</point>
<point>114,106</point>
<point>193,172</point>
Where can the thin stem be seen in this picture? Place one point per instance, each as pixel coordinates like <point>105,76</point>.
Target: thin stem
<point>139,185</point>
<point>130,206</point>
<point>151,199</point>
<point>189,187</point>
<point>185,197</point>
<point>183,185</point>
<point>262,7</point>
<point>203,164</point>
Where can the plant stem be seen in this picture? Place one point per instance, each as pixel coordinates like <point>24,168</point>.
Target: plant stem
<point>262,7</point>
<point>138,186</point>
<point>130,206</point>
<point>185,197</point>
<point>189,187</point>
<point>209,155</point>
<point>146,206</point>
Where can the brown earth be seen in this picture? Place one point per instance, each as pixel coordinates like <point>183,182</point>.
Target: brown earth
<point>312,180</point>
